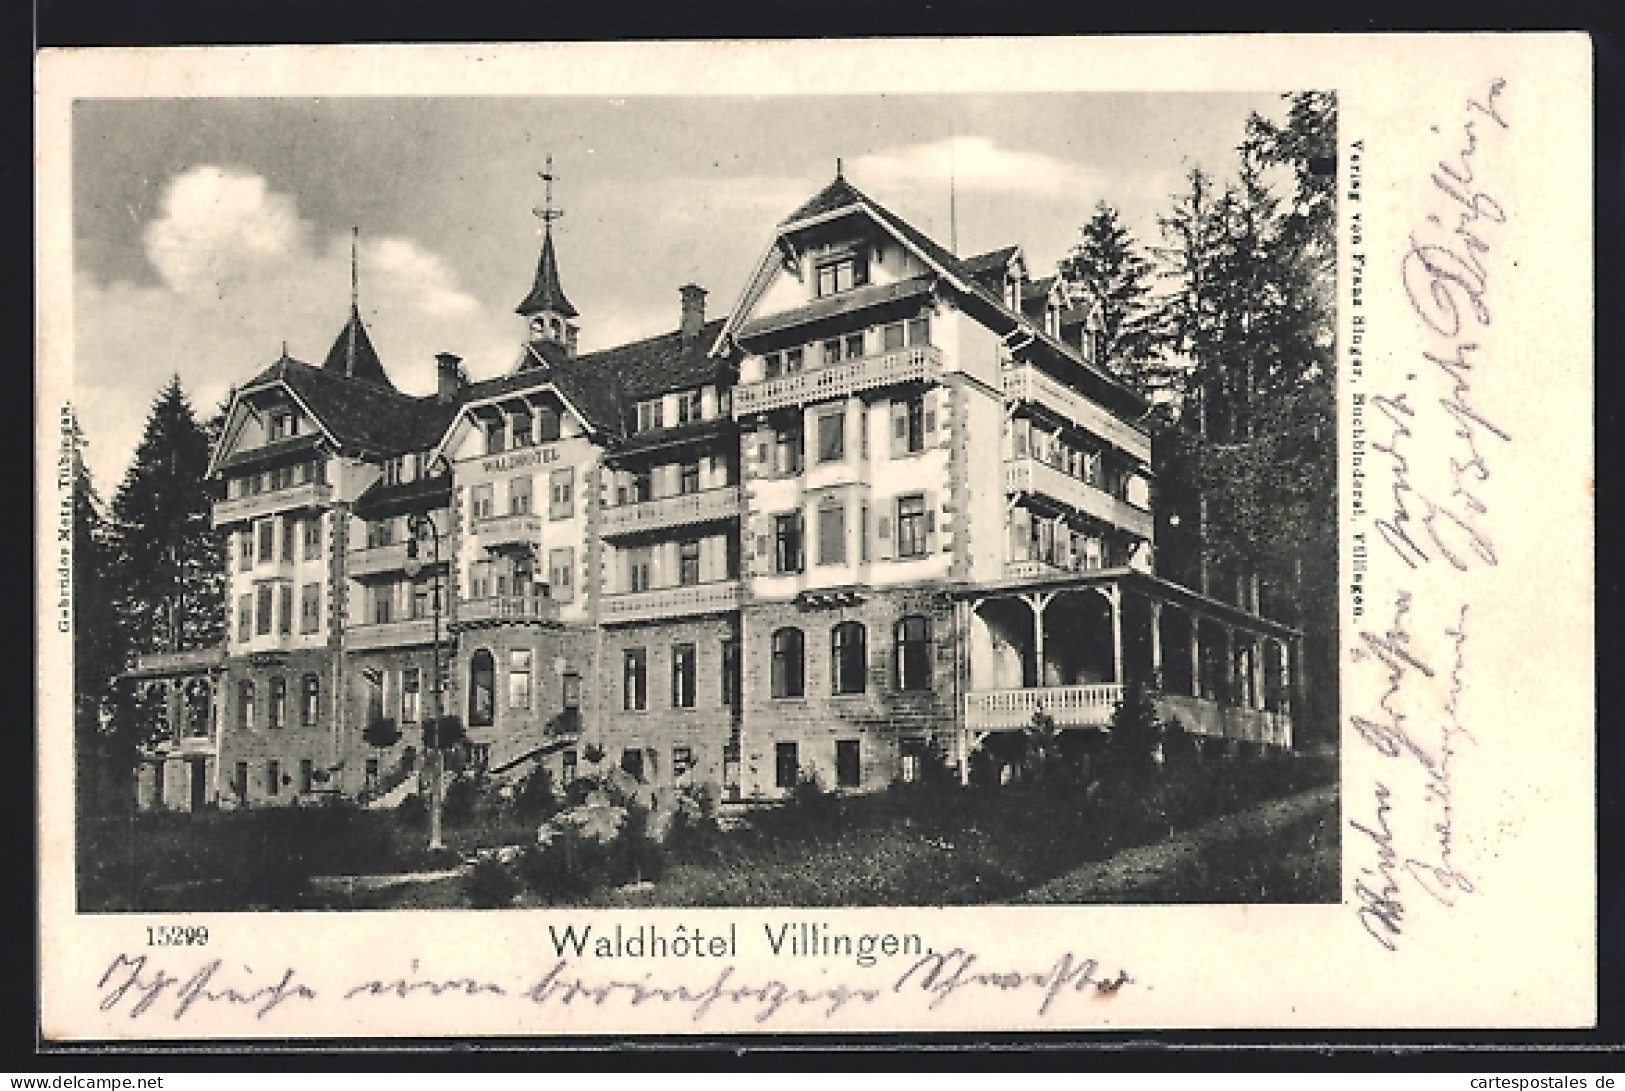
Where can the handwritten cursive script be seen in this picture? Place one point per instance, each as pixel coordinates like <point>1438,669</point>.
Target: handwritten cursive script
<point>128,979</point>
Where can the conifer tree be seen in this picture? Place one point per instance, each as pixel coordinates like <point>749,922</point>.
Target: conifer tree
<point>98,653</point>
<point>1107,272</point>
<point>169,559</point>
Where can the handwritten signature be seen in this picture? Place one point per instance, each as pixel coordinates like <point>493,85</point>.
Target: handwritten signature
<point>139,988</point>
<point>1445,279</point>
<point>1381,910</point>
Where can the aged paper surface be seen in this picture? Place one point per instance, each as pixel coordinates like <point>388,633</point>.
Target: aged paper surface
<point>1464,318</point>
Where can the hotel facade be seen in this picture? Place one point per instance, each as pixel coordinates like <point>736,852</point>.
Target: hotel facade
<point>893,502</point>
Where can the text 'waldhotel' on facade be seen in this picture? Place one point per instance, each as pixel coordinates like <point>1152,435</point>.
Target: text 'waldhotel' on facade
<point>892,502</point>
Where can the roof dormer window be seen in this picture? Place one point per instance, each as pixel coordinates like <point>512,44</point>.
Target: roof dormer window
<point>842,274</point>
<point>651,415</point>
<point>1012,293</point>
<point>284,423</point>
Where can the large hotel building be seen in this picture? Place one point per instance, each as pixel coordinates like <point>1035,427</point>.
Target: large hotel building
<point>892,501</point>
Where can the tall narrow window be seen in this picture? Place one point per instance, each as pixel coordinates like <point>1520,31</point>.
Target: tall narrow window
<point>688,480</point>
<point>313,538</point>
<point>290,534</point>
<point>284,611</point>
<point>519,665</point>
<point>912,525</point>
<point>310,699</point>
<point>494,436</point>
<point>787,542</point>
<point>245,618</point>
<point>411,695</point>
<point>276,713</point>
<point>561,573</point>
<point>786,765</point>
<point>483,501</point>
<point>848,659</point>
<point>307,774</point>
<point>482,684</point>
<point>832,437</point>
<point>831,532</point>
<point>848,765</point>
<point>913,654</point>
<point>788,670</point>
<point>245,705</point>
<point>908,426</point>
<point>682,675</point>
<point>787,451</point>
<point>273,777</point>
<point>730,674</point>
<point>245,550</point>
<point>638,565</point>
<point>263,602</point>
<point>239,780</point>
<point>561,502</point>
<point>522,435</point>
<point>547,424</point>
<point>519,495</point>
<point>635,680</point>
<point>688,563</point>
<point>266,529</point>
<point>383,603</point>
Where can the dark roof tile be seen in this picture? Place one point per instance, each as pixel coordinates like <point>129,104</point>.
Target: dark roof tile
<point>353,356</point>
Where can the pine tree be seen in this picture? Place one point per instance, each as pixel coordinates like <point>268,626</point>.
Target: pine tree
<point>98,653</point>
<point>1107,273</point>
<point>169,559</point>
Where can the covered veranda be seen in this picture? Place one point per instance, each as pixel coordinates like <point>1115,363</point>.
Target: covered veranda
<point>1069,644</point>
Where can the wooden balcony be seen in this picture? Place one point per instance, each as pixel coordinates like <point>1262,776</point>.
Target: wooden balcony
<point>920,363</point>
<point>1029,475</point>
<point>1028,384</point>
<point>664,602</point>
<point>393,634</point>
<point>533,609</point>
<point>313,494</point>
<point>503,531</point>
<point>1035,570</point>
<point>376,560</point>
<point>672,511</point>
<point>1013,709</point>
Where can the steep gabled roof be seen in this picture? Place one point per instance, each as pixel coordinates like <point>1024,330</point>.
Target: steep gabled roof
<point>352,353</point>
<point>838,194</point>
<point>546,294</point>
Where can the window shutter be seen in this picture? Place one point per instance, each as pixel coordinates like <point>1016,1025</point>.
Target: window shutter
<point>930,523</point>
<point>883,538</point>
<point>929,398</point>
<point>899,429</point>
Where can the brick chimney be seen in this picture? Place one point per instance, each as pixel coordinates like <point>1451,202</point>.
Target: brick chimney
<point>693,311</point>
<point>449,369</point>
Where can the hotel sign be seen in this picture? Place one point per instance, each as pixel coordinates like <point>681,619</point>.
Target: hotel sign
<point>515,460</point>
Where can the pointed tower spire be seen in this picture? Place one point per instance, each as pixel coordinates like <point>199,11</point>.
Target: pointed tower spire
<point>355,303</point>
<point>548,309</point>
<point>352,354</point>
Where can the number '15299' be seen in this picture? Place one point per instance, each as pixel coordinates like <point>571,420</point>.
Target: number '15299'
<point>177,935</point>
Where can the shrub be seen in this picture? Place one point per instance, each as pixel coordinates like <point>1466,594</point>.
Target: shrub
<point>488,884</point>
<point>382,733</point>
<point>461,799</point>
<point>534,800</point>
<point>412,812</point>
<point>1136,731</point>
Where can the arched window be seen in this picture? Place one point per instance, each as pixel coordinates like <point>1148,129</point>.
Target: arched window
<point>914,653</point>
<point>482,683</point>
<point>848,659</point>
<point>198,700</point>
<point>789,673</point>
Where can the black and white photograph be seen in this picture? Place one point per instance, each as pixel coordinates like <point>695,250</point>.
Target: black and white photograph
<point>859,501</point>
<point>598,539</point>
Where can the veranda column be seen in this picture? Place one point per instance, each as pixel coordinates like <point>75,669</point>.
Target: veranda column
<point>1229,694</point>
<point>1038,603</point>
<point>1114,595</point>
<point>1196,655</point>
<point>1285,700</point>
<point>1156,643</point>
<point>1258,672</point>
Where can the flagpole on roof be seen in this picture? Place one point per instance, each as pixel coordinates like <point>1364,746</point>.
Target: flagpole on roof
<point>355,303</point>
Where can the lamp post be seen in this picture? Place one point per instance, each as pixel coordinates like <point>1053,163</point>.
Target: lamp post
<point>436,757</point>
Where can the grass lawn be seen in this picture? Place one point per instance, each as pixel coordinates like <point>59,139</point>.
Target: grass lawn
<point>907,846</point>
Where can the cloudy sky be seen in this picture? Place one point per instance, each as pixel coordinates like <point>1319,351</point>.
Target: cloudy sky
<point>207,232</point>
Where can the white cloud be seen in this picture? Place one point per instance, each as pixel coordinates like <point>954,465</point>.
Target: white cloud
<point>241,273</point>
<point>974,162</point>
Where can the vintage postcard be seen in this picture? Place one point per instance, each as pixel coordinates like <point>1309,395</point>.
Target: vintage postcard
<point>816,536</point>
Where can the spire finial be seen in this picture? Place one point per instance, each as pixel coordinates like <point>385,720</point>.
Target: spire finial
<point>837,166</point>
<point>355,278</point>
<point>547,213</point>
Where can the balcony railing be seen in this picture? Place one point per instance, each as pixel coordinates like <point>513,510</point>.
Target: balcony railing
<point>1013,709</point>
<point>1029,475</point>
<point>1201,716</point>
<point>191,662</point>
<point>916,364</point>
<point>1035,570</point>
<point>508,530</point>
<point>390,634</point>
<point>1030,384</point>
<point>508,608</point>
<point>310,495</point>
<point>376,560</point>
<point>673,511</point>
<point>702,598</point>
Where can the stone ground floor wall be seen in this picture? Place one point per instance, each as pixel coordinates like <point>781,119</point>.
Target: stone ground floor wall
<point>667,741</point>
<point>266,765</point>
<point>878,720</point>
<point>524,714</point>
<point>175,782</point>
